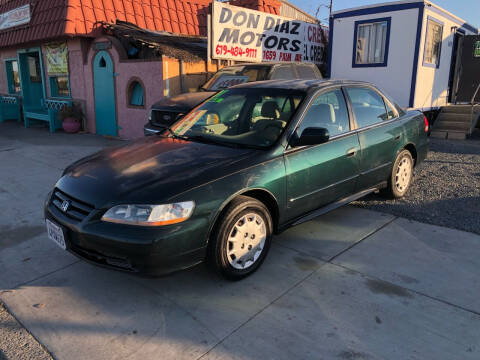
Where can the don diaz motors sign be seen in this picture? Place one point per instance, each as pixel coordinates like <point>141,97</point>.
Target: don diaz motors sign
<point>15,17</point>
<point>248,35</point>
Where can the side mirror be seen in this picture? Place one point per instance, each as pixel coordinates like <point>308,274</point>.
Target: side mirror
<point>312,136</point>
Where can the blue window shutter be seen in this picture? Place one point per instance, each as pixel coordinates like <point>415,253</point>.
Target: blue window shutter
<point>137,95</point>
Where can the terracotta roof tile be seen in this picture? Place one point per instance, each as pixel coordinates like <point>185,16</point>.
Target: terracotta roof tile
<point>53,19</point>
<point>157,18</point>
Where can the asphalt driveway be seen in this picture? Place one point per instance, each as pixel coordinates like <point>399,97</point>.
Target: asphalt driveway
<point>353,284</point>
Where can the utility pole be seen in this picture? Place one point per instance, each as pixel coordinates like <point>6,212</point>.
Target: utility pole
<point>329,7</point>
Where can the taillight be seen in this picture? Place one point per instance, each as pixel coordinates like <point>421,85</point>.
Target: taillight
<point>426,123</point>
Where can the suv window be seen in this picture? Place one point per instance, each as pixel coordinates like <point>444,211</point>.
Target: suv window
<point>329,111</point>
<point>235,75</point>
<point>368,106</point>
<point>306,72</point>
<point>284,72</point>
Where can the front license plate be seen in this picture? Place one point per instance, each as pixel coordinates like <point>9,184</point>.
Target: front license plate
<point>55,233</point>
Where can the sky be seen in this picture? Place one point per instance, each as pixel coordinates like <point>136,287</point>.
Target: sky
<point>468,10</point>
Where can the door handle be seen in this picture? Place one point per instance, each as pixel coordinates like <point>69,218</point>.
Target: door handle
<point>397,137</point>
<point>351,152</point>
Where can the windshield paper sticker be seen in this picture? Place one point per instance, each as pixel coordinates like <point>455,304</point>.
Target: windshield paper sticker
<point>218,97</point>
<point>187,122</point>
<point>226,81</point>
<point>476,51</point>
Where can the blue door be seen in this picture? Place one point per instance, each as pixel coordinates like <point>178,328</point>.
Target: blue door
<point>31,78</point>
<point>103,82</point>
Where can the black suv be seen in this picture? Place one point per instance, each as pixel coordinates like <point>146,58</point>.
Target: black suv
<point>170,109</point>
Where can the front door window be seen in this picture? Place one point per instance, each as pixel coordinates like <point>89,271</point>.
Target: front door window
<point>329,111</point>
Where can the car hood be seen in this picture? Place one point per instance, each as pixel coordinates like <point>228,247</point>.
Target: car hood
<point>183,102</point>
<point>148,170</point>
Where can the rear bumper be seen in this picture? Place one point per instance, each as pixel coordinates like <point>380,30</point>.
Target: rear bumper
<point>135,249</point>
<point>422,152</point>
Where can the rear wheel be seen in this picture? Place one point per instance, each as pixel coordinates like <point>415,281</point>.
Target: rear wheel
<point>242,238</point>
<point>401,176</point>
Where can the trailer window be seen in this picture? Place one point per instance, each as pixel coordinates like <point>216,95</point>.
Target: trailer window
<point>371,42</point>
<point>433,43</point>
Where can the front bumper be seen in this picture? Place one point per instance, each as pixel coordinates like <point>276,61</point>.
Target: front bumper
<point>150,129</point>
<point>135,249</point>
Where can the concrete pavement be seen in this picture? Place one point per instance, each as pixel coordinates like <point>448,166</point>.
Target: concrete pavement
<point>353,284</point>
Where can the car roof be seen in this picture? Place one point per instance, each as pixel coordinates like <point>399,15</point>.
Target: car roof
<point>298,84</point>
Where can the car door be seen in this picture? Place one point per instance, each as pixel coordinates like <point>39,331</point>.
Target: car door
<point>378,132</point>
<point>320,174</point>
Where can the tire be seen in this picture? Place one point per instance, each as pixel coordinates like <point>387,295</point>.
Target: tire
<point>401,177</point>
<point>245,225</point>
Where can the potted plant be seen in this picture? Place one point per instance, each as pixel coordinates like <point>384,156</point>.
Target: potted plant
<point>71,117</point>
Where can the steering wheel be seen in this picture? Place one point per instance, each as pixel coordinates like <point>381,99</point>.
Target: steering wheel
<point>276,124</point>
<point>261,125</point>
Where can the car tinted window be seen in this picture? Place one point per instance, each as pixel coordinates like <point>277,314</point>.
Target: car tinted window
<point>284,105</point>
<point>306,72</point>
<point>225,112</point>
<point>283,72</point>
<point>368,106</point>
<point>328,110</point>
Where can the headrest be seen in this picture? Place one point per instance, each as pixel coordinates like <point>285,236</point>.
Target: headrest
<point>271,110</point>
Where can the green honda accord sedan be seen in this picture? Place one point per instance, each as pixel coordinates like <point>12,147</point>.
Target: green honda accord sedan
<point>245,164</point>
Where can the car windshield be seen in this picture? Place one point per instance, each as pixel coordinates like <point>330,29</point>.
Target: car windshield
<point>241,117</point>
<point>235,75</point>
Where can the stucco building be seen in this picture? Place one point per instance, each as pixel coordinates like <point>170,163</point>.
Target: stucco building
<point>113,57</point>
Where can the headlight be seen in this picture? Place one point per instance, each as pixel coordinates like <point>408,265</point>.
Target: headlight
<point>150,215</point>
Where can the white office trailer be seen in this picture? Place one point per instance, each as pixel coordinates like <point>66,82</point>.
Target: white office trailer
<point>407,48</point>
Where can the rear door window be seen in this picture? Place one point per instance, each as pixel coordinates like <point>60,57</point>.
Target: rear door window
<point>306,72</point>
<point>368,106</point>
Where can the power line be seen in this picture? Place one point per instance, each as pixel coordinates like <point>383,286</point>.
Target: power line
<point>329,7</point>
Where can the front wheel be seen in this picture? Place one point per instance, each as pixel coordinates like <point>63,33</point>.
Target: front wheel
<point>401,177</point>
<point>242,238</point>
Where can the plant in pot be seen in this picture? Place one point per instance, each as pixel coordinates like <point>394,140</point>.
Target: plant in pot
<point>71,117</point>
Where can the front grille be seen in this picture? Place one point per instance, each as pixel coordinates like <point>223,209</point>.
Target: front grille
<point>77,210</point>
<point>164,118</point>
